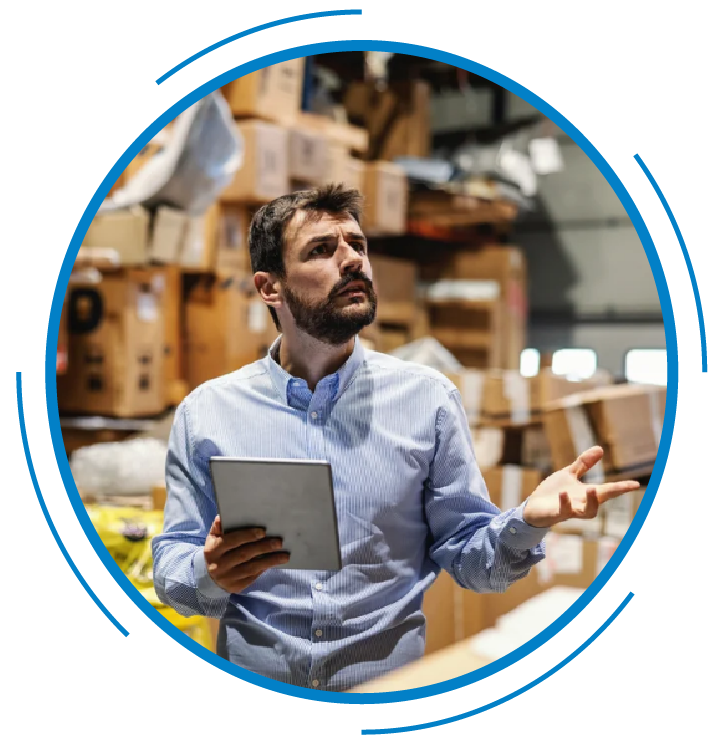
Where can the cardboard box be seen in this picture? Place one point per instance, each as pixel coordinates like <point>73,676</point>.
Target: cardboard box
<point>625,420</point>
<point>308,155</point>
<point>524,445</point>
<point>385,199</point>
<point>573,561</point>
<point>510,485</point>
<point>227,327</point>
<point>167,235</point>
<point>547,387</point>
<point>395,282</point>
<point>198,250</point>
<point>172,338</point>
<point>520,591</point>
<point>398,118</point>
<point>494,396</point>
<point>351,139</point>
<point>126,232</point>
<point>264,174</point>
<point>272,93</point>
<point>231,237</point>
<point>506,266</point>
<point>469,330</point>
<point>341,168</point>
<point>438,609</point>
<point>116,344</point>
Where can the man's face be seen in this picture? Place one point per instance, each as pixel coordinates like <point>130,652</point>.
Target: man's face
<point>328,283</point>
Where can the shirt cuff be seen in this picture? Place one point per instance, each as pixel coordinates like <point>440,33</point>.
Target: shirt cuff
<point>205,585</point>
<point>518,534</point>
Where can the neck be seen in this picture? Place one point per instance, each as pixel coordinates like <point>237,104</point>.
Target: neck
<point>305,357</point>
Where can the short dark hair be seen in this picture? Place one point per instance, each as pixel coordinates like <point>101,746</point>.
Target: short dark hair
<point>268,226</point>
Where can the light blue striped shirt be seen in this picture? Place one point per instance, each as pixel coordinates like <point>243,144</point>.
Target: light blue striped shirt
<point>410,500</point>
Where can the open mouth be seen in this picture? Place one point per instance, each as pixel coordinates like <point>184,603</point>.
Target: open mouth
<point>354,289</point>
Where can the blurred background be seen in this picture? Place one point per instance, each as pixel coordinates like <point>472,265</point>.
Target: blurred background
<point>501,257</point>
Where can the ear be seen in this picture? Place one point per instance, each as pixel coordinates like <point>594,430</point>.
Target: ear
<point>269,288</point>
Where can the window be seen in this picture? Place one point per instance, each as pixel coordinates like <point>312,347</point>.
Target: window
<point>647,366</point>
<point>574,363</point>
<point>530,362</point>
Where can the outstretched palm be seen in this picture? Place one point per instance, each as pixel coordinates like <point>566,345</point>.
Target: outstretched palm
<point>563,496</point>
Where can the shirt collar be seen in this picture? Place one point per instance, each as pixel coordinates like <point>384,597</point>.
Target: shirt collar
<point>344,375</point>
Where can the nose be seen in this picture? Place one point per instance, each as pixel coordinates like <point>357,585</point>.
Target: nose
<point>351,260</point>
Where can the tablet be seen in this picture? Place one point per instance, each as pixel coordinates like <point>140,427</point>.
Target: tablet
<point>289,498</point>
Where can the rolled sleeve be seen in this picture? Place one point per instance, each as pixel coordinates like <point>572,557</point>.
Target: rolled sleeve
<point>205,585</point>
<point>518,534</point>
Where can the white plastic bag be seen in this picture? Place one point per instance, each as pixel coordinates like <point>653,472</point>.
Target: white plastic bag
<point>130,467</point>
<point>199,161</point>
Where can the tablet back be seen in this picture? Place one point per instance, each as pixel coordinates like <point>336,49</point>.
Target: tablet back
<point>290,498</point>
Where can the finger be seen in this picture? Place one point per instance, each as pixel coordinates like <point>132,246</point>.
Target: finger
<point>614,489</point>
<point>216,530</point>
<point>565,505</point>
<point>239,586</point>
<point>254,567</point>
<point>585,461</point>
<point>232,540</point>
<point>590,509</point>
<point>228,561</point>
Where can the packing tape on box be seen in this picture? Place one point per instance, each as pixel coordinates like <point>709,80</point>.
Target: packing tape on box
<point>511,487</point>
<point>146,307</point>
<point>472,387</point>
<point>517,392</point>
<point>461,290</point>
<point>656,420</point>
<point>583,438</point>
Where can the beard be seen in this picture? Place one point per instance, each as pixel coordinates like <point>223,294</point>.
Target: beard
<point>325,321</point>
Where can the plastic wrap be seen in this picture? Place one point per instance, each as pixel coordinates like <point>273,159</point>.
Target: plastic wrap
<point>199,161</point>
<point>130,467</point>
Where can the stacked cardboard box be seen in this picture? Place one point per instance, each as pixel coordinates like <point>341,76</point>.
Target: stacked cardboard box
<point>478,304</point>
<point>626,420</point>
<point>116,329</point>
<point>395,283</point>
<point>227,327</point>
<point>397,118</point>
<point>135,237</point>
<point>272,93</point>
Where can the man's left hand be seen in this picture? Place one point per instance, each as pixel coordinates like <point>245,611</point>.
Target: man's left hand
<point>563,496</point>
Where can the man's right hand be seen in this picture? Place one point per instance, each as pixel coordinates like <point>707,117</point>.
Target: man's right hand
<point>235,560</point>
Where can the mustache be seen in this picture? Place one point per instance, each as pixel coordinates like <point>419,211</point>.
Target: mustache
<point>353,277</point>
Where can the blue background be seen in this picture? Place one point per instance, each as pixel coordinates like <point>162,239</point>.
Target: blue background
<point>82,93</point>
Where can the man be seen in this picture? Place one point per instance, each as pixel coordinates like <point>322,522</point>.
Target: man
<point>410,498</point>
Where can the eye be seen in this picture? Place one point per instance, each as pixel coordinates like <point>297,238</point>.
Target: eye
<point>359,246</point>
<point>318,250</point>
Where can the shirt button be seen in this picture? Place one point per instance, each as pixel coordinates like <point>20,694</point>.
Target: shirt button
<point>315,683</point>
<point>319,587</point>
<point>314,415</point>
<point>319,633</point>
<point>513,530</point>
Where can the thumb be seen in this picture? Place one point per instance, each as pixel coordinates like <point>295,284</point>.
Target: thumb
<point>216,530</point>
